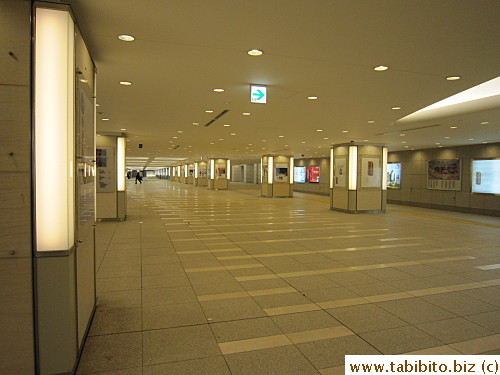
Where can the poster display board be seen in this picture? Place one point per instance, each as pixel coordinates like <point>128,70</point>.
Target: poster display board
<point>281,173</point>
<point>370,172</point>
<point>220,171</point>
<point>264,173</point>
<point>312,174</point>
<point>202,171</point>
<point>486,176</point>
<point>299,174</point>
<point>394,175</point>
<point>340,172</point>
<point>105,163</point>
<point>444,174</point>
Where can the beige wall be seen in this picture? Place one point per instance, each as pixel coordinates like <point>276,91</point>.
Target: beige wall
<point>16,292</point>
<point>414,179</point>
<point>324,179</point>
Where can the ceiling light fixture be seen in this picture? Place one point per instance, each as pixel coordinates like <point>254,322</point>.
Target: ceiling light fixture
<point>395,108</point>
<point>325,138</point>
<point>471,139</point>
<point>123,129</point>
<point>255,52</point>
<point>105,119</point>
<point>281,136</point>
<point>233,133</point>
<point>381,68</point>
<point>126,38</point>
<point>312,97</point>
<point>196,123</point>
<point>345,131</point>
<point>227,125</point>
<point>125,83</point>
<point>485,123</point>
<point>319,130</point>
<point>246,113</point>
<point>453,78</point>
<point>209,111</point>
<point>453,127</point>
<point>303,142</point>
<point>371,122</point>
<point>219,90</point>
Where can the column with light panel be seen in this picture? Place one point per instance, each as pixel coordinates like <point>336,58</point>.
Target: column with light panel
<point>121,196</point>
<point>357,173</point>
<point>220,174</point>
<point>60,247</point>
<point>277,176</point>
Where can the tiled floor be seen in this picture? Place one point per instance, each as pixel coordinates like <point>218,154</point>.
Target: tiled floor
<point>226,282</point>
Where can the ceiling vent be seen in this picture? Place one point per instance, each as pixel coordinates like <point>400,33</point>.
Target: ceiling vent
<point>409,130</point>
<point>217,117</point>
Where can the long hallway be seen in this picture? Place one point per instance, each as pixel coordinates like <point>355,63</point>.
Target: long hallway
<point>226,282</point>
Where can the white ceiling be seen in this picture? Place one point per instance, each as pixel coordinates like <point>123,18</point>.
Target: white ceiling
<point>327,48</point>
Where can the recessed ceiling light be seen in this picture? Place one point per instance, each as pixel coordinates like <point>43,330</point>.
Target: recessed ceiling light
<point>471,139</point>
<point>453,78</point>
<point>209,111</point>
<point>281,136</point>
<point>453,127</point>
<point>438,143</point>
<point>125,83</point>
<point>227,125</point>
<point>233,133</point>
<point>303,142</point>
<point>179,131</point>
<point>126,38</point>
<point>123,129</point>
<point>485,123</point>
<point>263,148</point>
<point>97,105</point>
<point>345,131</point>
<point>447,137</point>
<point>175,137</point>
<point>380,68</point>
<point>365,140</point>
<point>255,52</point>
<point>170,141</point>
<point>211,143</point>
<point>484,142</point>
<point>319,130</point>
<point>196,123</point>
<point>396,108</point>
<point>286,146</point>
<point>371,122</point>
<point>250,144</point>
<point>402,134</point>
<point>403,142</point>
<point>440,146</point>
<point>246,113</point>
<point>105,119</point>
<point>221,139</point>
<point>219,90</point>
<point>325,138</point>
<point>312,97</point>
<point>84,80</point>
<point>407,146</point>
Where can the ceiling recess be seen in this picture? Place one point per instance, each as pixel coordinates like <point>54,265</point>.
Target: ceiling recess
<point>217,117</point>
<point>409,130</point>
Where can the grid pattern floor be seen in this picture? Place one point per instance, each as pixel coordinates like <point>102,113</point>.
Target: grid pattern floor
<point>226,282</point>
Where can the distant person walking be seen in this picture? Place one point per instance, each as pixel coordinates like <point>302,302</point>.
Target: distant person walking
<point>138,177</point>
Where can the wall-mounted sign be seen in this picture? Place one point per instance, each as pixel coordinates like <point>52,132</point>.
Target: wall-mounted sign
<point>258,94</point>
<point>444,174</point>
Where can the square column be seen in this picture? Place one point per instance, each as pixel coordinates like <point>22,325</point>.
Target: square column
<point>276,176</point>
<point>200,174</point>
<point>219,174</point>
<point>358,178</point>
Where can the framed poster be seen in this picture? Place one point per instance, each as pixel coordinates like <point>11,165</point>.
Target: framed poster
<point>340,172</point>
<point>312,174</point>
<point>444,174</point>
<point>486,176</point>
<point>394,175</point>
<point>281,173</point>
<point>370,172</point>
<point>220,171</point>
<point>299,174</point>
<point>105,169</point>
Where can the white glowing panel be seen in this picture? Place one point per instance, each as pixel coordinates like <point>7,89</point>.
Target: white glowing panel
<point>185,171</point>
<point>258,94</point>
<point>212,169</point>
<point>179,170</point>
<point>331,168</point>
<point>270,169</point>
<point>291,169</point>
<point>384,168</point>
<point>228,169</point>
<point>54,123</point>
<point>120,163</point>
<point>195,170</point>
<point>261,170</point>
<point>353,167</point>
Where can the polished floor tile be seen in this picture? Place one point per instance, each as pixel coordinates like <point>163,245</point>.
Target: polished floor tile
<point>227,283</point>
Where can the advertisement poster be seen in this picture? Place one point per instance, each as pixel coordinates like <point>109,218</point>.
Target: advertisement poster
<point>191,172</point>
<point>105,169</point>
<point>220,170</point>
<point>486,176</point>
<point>312,174</point>
<point>394,175</point>
<point>202,172</point>
<point>340,172</point>
<point>444,174</point>
<point>299,174</point>
<point>264,174</point>
<point>281,174</point>
<point>370,172</point>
